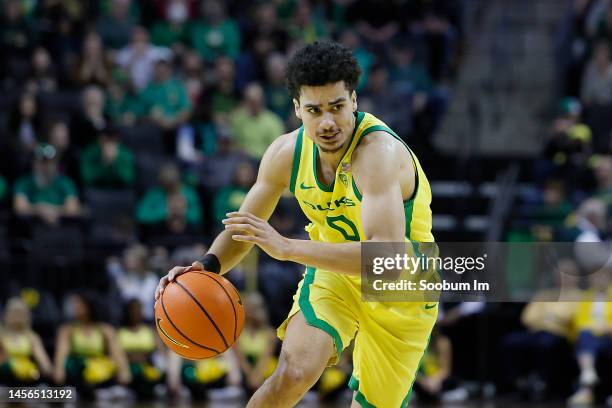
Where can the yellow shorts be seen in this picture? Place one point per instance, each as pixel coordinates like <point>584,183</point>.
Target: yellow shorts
<point>390,337</point>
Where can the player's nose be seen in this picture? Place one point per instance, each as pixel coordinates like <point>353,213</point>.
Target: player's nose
<point>327,122</point>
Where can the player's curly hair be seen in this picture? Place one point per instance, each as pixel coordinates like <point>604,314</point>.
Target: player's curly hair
<point>321,63</point>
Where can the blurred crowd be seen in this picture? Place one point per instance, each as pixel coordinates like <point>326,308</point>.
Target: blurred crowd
<point>574,170</point>
<point>568,344</point>
<point>130,120</point>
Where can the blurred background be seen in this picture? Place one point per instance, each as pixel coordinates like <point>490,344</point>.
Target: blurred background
<point>128,128</point>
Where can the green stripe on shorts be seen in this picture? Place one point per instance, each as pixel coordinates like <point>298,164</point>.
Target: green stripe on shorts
<point>309,313</point>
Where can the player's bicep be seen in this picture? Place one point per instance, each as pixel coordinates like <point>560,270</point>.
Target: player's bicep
<point>272,179</point>
<point>382,214</point>
<point>382,208</point>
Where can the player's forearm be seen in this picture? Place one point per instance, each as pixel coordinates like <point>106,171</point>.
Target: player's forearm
<point>228,251</point>
<point>344,258</point>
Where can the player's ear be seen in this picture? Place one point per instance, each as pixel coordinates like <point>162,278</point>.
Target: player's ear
<point>296,107</point>
<point>354,101</point>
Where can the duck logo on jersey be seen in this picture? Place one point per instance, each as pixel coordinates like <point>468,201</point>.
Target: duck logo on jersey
<point>343,179</point>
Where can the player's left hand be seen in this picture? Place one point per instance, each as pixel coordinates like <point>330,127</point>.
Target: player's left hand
<point>248,228</point>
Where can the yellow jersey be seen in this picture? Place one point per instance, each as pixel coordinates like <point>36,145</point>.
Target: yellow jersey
<point>334,210</point>
<point>17,344</point>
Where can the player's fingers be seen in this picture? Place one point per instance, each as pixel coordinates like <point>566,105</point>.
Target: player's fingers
<point>246,238</point>
<point>237,220</point>
<point>160,287</point>
<point>196,266</point>
<point>176,271</point>
<point>242,227</point>
<point>247,215</point>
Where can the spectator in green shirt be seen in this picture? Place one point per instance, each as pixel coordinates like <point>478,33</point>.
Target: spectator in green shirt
<point>107,163</point>
<point>115,28</point>
<point>255,127</point>
<point>165,98</point>
<point>123,107</point>
<point>45,193</point>
<point>349,38</point>
<point>230,198</point>
<point>306,26</point>
<point>174,32</point>
<point>277,98</point>
<point>216,35</point>
<point>222,96</point>
<point>173,205</point>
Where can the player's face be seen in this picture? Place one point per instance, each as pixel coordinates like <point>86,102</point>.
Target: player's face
<point>327,113</point>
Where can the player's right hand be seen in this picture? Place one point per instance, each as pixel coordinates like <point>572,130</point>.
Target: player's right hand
<point>174,272</point>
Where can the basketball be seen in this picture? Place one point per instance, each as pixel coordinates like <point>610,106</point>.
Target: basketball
<point>199,315</point>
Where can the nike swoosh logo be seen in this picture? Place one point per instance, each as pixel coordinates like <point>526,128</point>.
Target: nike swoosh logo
<point>304,187</point>
<point>430,306</point>
<point>162,331</point>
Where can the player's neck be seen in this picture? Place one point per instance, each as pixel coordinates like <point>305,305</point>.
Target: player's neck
<point>332,159</point>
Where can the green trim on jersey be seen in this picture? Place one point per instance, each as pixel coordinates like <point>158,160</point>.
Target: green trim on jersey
<point>408,207</point>
<point>324,187</point>
<point>356,190</point>
<point>297,152</point>
<point>359,397</point>
<point>408,203</point>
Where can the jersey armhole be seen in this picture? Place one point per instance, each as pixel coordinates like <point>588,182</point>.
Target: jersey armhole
<point>297,153</point>
<point>416,170</point>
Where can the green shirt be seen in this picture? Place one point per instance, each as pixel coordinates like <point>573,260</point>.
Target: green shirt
<point>2,188</point>
<point>166,35</point>
<point>215,41</point>
<point>55,193</point>
<point>153,207</point>
<point>254,134</point>
<point>169,96</point>
<point>117,109</point>
<point>416,74</point>
<point>96,172</point>
<point>279,101</point>
<point>223,103</point>
<point>228,199</point>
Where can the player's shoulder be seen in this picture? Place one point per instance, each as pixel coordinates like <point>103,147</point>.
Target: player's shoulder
<point>277,162</point>
<point>281,150</point>
<point>377,145</point>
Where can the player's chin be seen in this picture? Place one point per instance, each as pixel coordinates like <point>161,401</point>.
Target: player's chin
<point>330,146</point>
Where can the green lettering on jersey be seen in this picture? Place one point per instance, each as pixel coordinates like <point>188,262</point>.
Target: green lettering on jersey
<point>336,204</point>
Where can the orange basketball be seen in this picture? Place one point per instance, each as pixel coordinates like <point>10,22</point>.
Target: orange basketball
<point>199,315</point>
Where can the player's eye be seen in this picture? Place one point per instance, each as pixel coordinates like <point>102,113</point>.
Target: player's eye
<point>337,108</point>
<point>314,111</point>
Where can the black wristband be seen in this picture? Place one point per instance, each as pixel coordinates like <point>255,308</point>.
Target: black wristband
<point>211,263</point>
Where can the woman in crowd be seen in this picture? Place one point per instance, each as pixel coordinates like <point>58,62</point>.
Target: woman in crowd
<point>87,353</point>
<point>256,346</point>
<point>23,359</point>
<point>139,343</point>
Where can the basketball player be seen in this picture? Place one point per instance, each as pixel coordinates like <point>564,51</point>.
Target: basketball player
<point>357,182</point>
